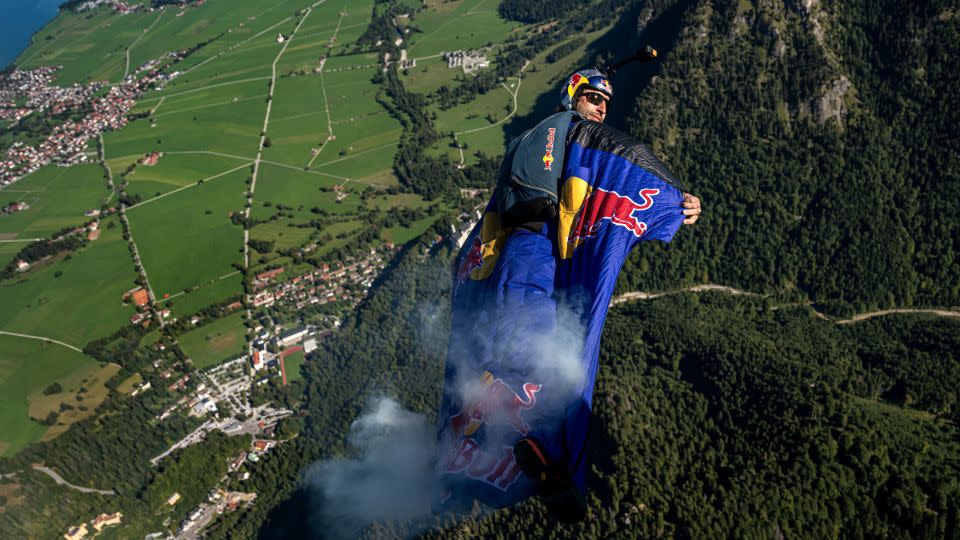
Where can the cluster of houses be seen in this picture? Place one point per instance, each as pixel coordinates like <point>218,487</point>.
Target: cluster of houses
<point>78,532</point>
<point>15,207</point>
<point>67,143</point>
<point>119,6</point>
<point>19,84</point>
<point>469,60</point>
<point>329,283</point>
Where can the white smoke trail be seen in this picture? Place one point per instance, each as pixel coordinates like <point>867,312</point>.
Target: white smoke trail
<point>391,480</point>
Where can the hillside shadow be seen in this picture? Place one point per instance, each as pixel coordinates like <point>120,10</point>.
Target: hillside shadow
<point>620,41</point>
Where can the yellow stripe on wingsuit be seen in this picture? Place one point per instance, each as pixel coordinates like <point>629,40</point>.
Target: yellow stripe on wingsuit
<point>572,195</point>
<point>492,238</point>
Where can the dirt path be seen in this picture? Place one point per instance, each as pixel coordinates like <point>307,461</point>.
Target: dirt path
<point>59,480</point>
<point>126,70</point>
<point>640,295</point>
<point>882,312</point>
<point>41,338</point>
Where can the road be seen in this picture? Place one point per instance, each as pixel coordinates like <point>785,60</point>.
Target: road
<point>640,295</point>
<point>59,480</point>
<point>41,338</point>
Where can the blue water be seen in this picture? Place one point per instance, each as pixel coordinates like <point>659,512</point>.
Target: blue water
<point>19,19</point>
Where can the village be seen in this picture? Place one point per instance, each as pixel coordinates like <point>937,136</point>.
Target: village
<point>67,143</point>
<point>346,281</point>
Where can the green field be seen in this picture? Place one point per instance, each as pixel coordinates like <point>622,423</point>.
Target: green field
<point>28,366</point>
<point>178,170</point>
<point>450,26</point>
<point>218,341</point>
<point>8,250</point>
<point>58,197</point>
<point>294,188</point>
<point>187,238</point>
<point>282,234</point>
<point>232,128</point>
<point>89,49</point>
<point>83,303</point>
<point>204,295</point>
<point>292,364</point>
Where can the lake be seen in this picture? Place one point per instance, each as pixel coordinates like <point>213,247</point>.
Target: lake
<point>19,19</point>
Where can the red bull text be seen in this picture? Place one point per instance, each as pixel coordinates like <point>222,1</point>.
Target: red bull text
<point>548,155</point>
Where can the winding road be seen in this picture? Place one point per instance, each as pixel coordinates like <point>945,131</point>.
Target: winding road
<point>709,287</point>
<point>59,480</point>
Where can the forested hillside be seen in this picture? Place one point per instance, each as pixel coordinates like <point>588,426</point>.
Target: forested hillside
<point>822,139</point>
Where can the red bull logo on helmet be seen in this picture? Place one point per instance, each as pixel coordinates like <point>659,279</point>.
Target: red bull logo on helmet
<point>575,81</point>
<point>583,209</point>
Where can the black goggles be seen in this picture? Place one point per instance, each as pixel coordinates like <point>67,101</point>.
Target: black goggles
<point>596,98</point>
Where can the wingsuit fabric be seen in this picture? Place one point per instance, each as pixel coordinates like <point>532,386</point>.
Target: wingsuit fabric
<point>528,309</point>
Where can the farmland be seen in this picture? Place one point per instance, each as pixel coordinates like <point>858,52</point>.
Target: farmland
<point>170,231</point>
<point>27,367</point>
<point>58,197</point>
<point>211,344</point>
<point>76,300</point>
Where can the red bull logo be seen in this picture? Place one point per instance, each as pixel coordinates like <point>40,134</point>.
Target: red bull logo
<point>620,210</point>
<point>497,469</point>
<point>583,209</point>
<point>548,155</point>
<point>497,404</point>
<point>473,259</point>
<point>575,81</point>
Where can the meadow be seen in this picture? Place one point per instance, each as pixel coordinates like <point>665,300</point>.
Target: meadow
<point>58,197</point>
<point>451,26</point>
<point>215,342</point>
<point>90,46</point>
<point>177,170</point>
<point>79,298</point>
<point>187,238</point>
<point>203,295</point>
<point>27,367</point>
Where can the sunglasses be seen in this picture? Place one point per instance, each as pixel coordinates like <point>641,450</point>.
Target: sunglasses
<point>596,98</point>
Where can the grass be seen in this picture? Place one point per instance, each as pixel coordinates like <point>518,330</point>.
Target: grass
<point>282,234</point>
<point>231,129</point>
<point>130,383</point>
<point>58,197</point>
<point>9,249</point>
<point>220,340</point>
<point>204,295</point>
<point>175,171</point>
<point>467,24</point>
<point>187,238</point>
<point>86,388</point>
<point>83,303</point>
<point>295,188</point>
<point>88,49</point>
<point>429,75</point>
<point>292,363</point>
<point>401,235</point>
<point>27,367</point>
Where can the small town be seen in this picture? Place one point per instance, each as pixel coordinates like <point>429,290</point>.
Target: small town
<point>68,142</point>
<point>337,282</point>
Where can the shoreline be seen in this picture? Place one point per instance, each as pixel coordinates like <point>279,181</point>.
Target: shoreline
<point>15,60</point>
